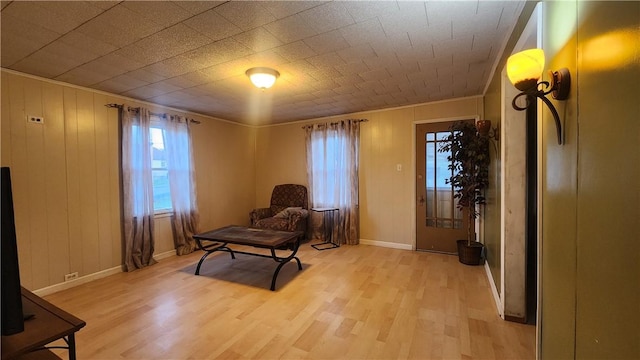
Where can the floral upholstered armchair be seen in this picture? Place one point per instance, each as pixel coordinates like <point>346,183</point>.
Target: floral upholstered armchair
<point>288,210</point>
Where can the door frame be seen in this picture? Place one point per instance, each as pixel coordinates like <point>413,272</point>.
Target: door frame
<point>530,37</point>
<point>479,224</point>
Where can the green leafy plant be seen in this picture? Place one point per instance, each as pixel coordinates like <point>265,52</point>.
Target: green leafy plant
<point>469,161</point>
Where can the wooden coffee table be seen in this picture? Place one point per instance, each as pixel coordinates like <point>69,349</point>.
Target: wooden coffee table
<point>218,239</point>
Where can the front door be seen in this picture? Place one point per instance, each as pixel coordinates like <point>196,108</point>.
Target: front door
<point>439,223</point>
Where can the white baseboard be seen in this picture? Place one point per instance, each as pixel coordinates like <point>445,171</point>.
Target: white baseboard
<point>164,255</point>
<point>91,277</point>
<point>79,281</point>
<point>386,244</point>
<point>494,290</point>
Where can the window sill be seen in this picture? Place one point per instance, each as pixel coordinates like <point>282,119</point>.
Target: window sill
<point>163,214</point>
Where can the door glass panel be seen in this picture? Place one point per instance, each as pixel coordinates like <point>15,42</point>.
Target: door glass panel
<point>431,203</point>
<point>430,179</point>
<point>431,136</point>
<point>441,208</point>
<point>441,135</point>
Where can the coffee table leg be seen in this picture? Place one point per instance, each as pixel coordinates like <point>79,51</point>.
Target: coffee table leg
<point>283,261</point>
<point>72,347</point>
<point>200,262</point>
<point>209,250</point>
<point>275,276</point>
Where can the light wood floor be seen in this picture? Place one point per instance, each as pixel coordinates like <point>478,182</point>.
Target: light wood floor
<point>354,302</point>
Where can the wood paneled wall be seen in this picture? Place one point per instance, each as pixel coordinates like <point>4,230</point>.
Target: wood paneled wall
<point>225,173</point>
<point>66,178</point>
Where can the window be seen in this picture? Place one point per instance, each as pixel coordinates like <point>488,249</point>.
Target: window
<point>157,177</point>
<point>328,170</point>
<point>332,172</point>
<point>160,174</point>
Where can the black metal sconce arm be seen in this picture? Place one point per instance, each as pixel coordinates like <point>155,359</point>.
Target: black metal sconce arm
<point>559,88</point>
<point>541,95</point>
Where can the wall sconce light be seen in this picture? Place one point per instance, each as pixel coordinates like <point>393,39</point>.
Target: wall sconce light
<point>262,77</point>
<point>484,129</point>
<point>524,69</point>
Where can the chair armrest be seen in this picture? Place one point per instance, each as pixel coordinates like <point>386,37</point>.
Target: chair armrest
<point>296,217</point>
<point>260,213</point>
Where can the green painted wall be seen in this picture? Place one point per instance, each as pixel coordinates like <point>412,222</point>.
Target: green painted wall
<point>590,305</point>
<point>559,192</point>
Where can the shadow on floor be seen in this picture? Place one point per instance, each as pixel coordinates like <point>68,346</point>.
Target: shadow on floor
<point>247,270</point>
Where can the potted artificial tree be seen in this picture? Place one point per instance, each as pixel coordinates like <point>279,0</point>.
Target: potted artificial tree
<point>469,162</point>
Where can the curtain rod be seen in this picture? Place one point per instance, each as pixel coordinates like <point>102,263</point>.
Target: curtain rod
<point>119,106</point>
<point>336,123</point>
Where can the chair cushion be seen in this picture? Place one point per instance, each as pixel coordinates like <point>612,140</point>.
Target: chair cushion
<point>284,214</point>
<point>273,223</point>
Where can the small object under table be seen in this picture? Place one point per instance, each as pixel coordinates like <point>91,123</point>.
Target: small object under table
<point>218,239</point>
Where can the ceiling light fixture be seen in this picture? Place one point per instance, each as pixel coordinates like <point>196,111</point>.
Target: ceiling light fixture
<point>262,77</point>
<point>524,69</point>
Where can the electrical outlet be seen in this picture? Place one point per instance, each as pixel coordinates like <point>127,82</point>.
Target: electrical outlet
<point>72,276</point>
<point>35,119</point>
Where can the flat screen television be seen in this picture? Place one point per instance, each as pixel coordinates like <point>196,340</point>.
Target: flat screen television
<point>12,314</point>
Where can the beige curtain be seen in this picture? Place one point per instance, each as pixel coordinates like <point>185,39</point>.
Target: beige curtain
<point>181,183</point>
<point>332,172</point>
<point>137,187</point>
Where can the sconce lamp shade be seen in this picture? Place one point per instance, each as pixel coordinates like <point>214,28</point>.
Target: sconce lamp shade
<point>524,69</point>
<point>262,77</point>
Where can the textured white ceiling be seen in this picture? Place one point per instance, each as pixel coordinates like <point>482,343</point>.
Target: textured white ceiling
<point>334,57</point>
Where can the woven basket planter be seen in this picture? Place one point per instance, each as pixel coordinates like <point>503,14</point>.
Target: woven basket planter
<point>470,254</point>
